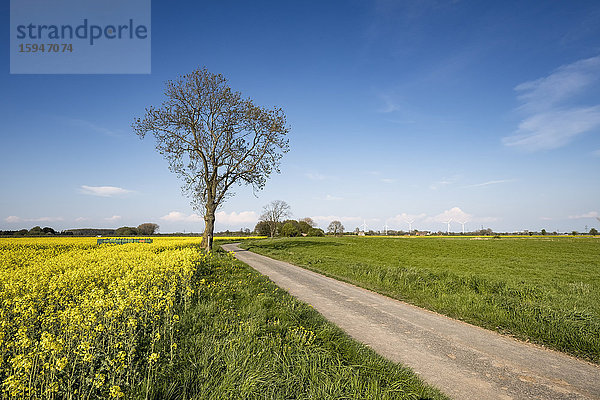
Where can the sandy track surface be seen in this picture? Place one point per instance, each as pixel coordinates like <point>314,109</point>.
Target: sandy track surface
<point>462,360</point>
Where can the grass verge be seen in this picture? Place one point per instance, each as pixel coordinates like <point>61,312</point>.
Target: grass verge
<point>246,339</point>
<point>541,290</point>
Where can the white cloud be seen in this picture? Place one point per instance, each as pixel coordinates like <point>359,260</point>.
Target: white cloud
<point>103,191</point>
<point>114,218</point>
<point>405,218</point>
<point>175,216</point>
<point>233,218</point>
<point>387,180</point>
<point>546,218</point>
<point>550,121</point>
<point>455,214</point>
<point>591,214</point>
<point>12,219</point>
<point>81,219</point>
<point>332,198</point>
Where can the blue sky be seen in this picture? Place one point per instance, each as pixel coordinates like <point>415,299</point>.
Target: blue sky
<point>426,110</point>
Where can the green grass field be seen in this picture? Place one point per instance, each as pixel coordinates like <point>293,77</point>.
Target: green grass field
<point>246,339</point>
<point>544,290</point>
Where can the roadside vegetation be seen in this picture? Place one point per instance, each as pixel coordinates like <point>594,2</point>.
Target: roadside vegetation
<point>544,290</point>
<point>166,321</point>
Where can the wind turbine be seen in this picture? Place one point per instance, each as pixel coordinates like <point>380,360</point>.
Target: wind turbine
<point>364,226</point>
<point>463,225</point>
<point>409,222</point>
<point>448,222</point>
<point>385,228</point>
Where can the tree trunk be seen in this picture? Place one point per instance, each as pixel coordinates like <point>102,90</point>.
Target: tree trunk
<point>209,227</point>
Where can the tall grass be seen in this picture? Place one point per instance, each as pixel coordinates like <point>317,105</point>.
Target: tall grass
<point>542,290</point>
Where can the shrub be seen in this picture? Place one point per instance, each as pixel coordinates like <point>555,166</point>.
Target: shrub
<point>315,232</point>
<point>289,230</point>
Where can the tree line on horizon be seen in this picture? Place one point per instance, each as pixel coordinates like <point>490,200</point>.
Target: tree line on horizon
<point>145,229</point>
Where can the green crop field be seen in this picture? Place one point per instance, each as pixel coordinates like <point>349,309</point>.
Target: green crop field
<point>544,290</point>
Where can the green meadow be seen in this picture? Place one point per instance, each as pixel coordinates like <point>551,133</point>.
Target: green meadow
<point>543,290</point>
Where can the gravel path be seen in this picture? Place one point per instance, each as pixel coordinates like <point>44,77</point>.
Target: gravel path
<point>462,360</point>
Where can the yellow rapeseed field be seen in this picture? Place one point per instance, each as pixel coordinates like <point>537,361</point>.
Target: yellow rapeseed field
<point>80,320</point>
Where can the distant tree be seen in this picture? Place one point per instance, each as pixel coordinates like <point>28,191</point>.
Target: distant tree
<point>274,213</point>
<point>147,228</point>
<point>36,230</point>
<point>214,139</point>
<point>126,231</point>
<point>335,228</point>
<point>48,230</point>
<point>544,232</point>
<point>262,228</point>
<point>315,232</point>
<point>574,233</point>
<point>593,231</point>
<point>289,230</point>
<point>309,221</point>
<point>22,232</point>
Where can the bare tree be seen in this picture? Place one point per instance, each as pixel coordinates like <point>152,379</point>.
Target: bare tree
<point>213,138</point>
<point>336,228</point>
<point>147,228</point>
<point>309,221</point>
<point>273,213</point>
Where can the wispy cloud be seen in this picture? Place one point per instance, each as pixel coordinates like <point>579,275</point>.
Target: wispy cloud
<point>332,198</point>
<point>87,125</point>
<point>488,183</point>
<point>591,214</point>
<point>388,180</point>
<point>596,153</point>
<point>104,191</point>
<point>552,116</point>
<point>389,104</point>
<point>15,219</point>
<point>81,219</point>
<point>444,182</point>
<point>114,218</point>
<point>316,176</point>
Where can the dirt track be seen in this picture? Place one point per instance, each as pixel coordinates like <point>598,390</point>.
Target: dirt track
<point>464,361</point>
